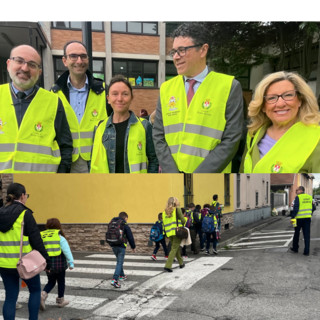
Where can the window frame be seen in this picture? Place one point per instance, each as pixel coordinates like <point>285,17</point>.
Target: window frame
<point>137,33</point>
<point>75,29</point>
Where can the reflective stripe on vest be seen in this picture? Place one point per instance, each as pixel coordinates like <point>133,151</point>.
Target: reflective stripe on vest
<point>135,146</point>
<point>10,244</point>
<point>289,153</point>
<point>192,132</point>
<point>305,206</point>
<point>32,147</point>
<point>82,134</point>
<point>51,241</point>
<point>170,223</point>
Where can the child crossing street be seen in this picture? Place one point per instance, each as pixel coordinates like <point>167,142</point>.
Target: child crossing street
<point>158,236</point>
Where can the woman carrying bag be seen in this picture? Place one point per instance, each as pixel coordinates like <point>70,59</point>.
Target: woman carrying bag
<point>11,216</point>
<point>172,219</point>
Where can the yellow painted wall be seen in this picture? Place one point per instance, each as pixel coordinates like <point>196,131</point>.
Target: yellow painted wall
<point>96,198</point>
<point>206,185</point>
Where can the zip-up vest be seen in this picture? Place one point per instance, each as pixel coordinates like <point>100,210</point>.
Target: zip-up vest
<point>10,245</point>
<point>170,223</point>
<point>51,241</point>
<point>289,153</point>
<point>82,134</point>
<point>32,147</point>
<point>192,132</point>
<point>135,146</point>
<point>305,206</point>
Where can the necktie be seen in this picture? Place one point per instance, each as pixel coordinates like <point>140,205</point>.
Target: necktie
<point>190,93</point>
<point>21,95</point>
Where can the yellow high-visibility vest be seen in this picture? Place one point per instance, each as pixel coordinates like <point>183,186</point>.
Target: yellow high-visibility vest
<point>32,147</point>
<point>82,134</point>
<point>170,223</point>
<point>51,241</point>
<point>192,132</point>
<point>136,148</point>
<point>305,206</point>
<point>289,153</point>
<point>10,244</point>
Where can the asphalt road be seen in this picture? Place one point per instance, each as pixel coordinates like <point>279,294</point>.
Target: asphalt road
<point>256,277</point>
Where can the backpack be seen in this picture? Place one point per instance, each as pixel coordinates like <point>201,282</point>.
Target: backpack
<point>189,219</point>
<point>155,233</point>
<point>204,212</point>
<point>115,232</point>
<point>207,224</point>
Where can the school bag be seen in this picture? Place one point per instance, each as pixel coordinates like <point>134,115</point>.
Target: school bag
<point>207,224</point>
<point>155,233</point>
<point>115,232</point>
<point>189,220</point>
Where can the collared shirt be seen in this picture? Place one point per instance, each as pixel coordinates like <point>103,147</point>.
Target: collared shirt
<point>200,77</point>
<point>27,92</point>
<point>78,98</point>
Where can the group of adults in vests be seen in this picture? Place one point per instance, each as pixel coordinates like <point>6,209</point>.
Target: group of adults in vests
<point>83,125</point>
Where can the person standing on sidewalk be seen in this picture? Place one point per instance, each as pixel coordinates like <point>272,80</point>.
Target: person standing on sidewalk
<point>61,258</point>
<point>171,215</point>
<point>162,239</point>
<point>119,244</point>
<point>302,211</point>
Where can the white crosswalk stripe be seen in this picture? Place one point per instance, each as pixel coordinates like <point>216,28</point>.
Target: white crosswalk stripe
<point>263,240</point>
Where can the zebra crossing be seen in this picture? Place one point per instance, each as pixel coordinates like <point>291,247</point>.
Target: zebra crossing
<point>94,271</point>
<point>270,239</point>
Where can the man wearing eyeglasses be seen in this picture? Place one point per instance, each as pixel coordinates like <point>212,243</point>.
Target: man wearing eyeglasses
<point>199,116</point>
<point>84,99</point>
<point>34,133</point>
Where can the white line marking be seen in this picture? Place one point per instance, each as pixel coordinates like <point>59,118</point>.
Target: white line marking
<point>150,273</point>
<point>154,295</point>
<point>271,232</point>
<point>266,237</point>
<point>76,302</point>
<point>128,256</point>
<point>254,243</point>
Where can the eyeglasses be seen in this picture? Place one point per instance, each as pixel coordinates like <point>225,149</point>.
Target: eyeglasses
<point>27,195</point>
<point>181,51</point>
<point>74,56</point>
<point>286,96</point>
<point>31,64</point>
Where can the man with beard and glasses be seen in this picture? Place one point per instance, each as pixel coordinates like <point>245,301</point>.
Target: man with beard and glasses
<point>34,133</point>
<point>85,102</point>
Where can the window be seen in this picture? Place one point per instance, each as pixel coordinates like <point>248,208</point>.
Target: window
<point>267,192</point>
<point>77,25</point>
<point>97,66</point>
<point>171,70</point>
<point>257,198</point>
<point>238,190</point>
<point>140,73</point>
<point>150,28</point>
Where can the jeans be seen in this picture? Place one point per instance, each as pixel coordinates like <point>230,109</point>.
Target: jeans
<point>211,237</point>
<point>304,224</point>
<point>12,286</point>
<point>164,246</point>
<point>119,252</point>
<point>54,277</point>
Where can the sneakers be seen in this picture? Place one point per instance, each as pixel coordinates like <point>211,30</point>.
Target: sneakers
<point>115,283</point>
<point>167,269</point>
<point>153,257</point>
<point>207,252</point>
<point>182,266</point>
<point>61,302</point>
<point>166,257</point>
<point>214,251</point>
<point>123,278</point>
<point>202,249</point>
<point>185,257</point>
<point>293,250</point>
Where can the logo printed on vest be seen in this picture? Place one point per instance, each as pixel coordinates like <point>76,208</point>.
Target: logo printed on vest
<point>276,168</point>
<point>94,113</point>
<point>206,104</point>
<point>172,104</point>
<point>2,124</point>
<point>139,145</point>
<point>38,127</point>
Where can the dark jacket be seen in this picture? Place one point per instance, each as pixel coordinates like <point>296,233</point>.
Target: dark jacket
<point>61,126</point>
<point>127,235</point>
<point>96,85</point>
<point>9,214</point>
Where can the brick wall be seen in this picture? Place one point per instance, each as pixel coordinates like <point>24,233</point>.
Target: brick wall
<point>227,221</point>
<point>128,43</point>
<point>60,37</point>
<point>144,99</point>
